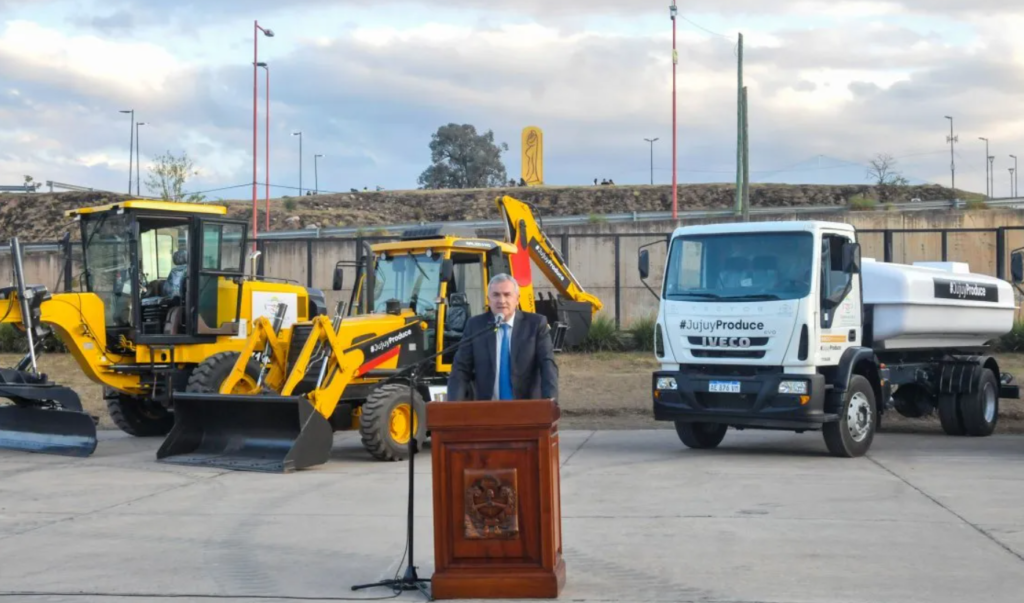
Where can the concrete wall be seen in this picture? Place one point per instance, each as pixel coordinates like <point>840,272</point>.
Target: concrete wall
<point>599,254</point>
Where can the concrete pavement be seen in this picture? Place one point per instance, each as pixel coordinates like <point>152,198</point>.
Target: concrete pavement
<point>768,517</point>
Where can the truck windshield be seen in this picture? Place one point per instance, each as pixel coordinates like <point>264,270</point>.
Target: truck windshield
<point>737,267</point>
<point>413,280</point>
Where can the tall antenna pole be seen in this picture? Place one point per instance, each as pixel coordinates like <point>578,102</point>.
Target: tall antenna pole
<point>739,129</point>
<point>952,160</point>
<point>746,159</point>
<point>675,60</point>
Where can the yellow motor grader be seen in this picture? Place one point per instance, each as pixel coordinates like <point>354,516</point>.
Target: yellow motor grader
<point>278,402</point>
<point>163,295</point>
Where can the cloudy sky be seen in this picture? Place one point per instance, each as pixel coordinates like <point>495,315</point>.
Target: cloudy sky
<point>830,85</point>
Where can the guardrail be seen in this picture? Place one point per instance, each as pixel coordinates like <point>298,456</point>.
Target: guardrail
<point>341,231</point>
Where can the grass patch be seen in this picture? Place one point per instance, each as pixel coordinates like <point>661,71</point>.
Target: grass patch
<point>862,202</point>
<point>976,204</point>
<point>602,337</point>
<point>641,332</point>
<point>1012,341</point>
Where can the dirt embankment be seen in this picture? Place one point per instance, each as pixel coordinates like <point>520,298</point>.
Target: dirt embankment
<point>40,216</point>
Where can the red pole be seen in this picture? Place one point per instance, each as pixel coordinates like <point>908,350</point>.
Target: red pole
<point>675,59</point>
<point>255,59</point>
<point>267,171</point>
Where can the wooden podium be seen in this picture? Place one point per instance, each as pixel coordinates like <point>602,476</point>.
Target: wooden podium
<point>497,499</point>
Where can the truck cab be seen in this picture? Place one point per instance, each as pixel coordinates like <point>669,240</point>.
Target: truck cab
<point>780,325</point>
<point>756,325</point>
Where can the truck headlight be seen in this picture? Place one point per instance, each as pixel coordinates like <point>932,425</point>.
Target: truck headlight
<point>666,383</point>
<point>793,387</point>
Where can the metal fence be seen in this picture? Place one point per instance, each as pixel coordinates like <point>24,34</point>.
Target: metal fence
<point>604,264</point>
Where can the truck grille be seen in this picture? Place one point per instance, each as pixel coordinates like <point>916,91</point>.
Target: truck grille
<point>727,353</point>
<point>714,400</point>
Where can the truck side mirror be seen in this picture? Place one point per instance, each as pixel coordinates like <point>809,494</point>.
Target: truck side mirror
<point>851,258</point>
<point>1017,265</point>
<point>447,270</point>
<point>644,264</point>
<point>339,277</point>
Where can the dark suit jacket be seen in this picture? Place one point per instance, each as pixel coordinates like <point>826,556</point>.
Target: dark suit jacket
<point>534,371</point>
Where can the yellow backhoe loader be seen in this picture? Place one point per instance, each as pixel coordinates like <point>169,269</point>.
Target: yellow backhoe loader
<point>163,291</point>
<point>412,305</point>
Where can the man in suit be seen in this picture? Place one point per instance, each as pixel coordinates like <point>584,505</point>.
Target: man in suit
<point>515,361</point>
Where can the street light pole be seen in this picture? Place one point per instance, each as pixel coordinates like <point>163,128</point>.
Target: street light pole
<point>675,59</point>
<point>316,177</point>
<point>255,60</point>
<point>299,134</point>
<point>266,171</point>
<point>1011,182</point>
<point>1015,172</point>
<point>952,160</point>
<point>131,148</point>
<point>988,189</point>
<point>652,141</point>
<point>992,174</point>
<point>138,162</point>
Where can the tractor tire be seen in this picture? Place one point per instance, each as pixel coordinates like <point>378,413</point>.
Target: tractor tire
<point>701,435</point>
<point>210,373</point>
<point>980,410</point>
<point>950,416</point>
<point>384,423</point>
<point>137,416</point>
<point>852,434</point>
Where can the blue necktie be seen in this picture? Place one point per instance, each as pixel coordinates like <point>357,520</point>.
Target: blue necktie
<point>505,373</point>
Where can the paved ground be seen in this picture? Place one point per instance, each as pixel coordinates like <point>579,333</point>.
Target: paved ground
<point>766,518</point>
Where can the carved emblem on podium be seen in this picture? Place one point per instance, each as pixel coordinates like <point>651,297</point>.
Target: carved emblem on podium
<point>491,504</point>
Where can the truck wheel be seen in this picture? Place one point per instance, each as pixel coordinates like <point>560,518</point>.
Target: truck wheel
<point>138,417</point>
<point>700,435</point>
<point>386,420</point>
<point>980,410</point>
<point>852,434</point>
<point>949,415</point>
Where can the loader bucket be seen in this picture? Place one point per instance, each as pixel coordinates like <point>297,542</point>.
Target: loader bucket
<point>268,433</point>
<point>44,417</point>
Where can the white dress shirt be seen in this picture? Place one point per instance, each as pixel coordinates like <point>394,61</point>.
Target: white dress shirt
<point>497,353</point>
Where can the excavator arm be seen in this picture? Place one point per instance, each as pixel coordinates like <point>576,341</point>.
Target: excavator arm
<point>522,229</point>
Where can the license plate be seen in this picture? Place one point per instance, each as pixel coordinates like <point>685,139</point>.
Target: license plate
<point>727,387</point>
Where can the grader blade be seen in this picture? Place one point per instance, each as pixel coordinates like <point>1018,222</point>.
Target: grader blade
<point>44,417</point>
<point>267,433</point>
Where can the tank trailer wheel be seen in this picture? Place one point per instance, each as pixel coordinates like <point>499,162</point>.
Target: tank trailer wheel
<point>852,434</point>
<point>979,411</point>
<point>701,435</point>
<point>949,414</point>
<point>136,416</point>
<point>387,416</point>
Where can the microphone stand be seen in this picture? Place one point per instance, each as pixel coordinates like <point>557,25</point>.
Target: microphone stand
<point>411,580</point>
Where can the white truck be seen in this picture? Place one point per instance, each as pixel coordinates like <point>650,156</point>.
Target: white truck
<point>780,325</point>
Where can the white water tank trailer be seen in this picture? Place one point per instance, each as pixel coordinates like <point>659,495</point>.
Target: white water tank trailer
<point>782,325</point>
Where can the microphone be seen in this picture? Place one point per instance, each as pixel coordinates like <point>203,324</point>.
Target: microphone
<point>498,319</point>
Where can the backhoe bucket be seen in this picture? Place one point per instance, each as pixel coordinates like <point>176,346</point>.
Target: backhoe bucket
<point>44,417</point>
<point>268,433</point>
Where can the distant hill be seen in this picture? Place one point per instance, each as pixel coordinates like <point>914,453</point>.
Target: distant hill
<point>39,216</point>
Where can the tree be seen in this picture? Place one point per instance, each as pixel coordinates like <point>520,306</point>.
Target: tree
<point>882,170</point>
<point>464,159</point>
<point>167,178</point>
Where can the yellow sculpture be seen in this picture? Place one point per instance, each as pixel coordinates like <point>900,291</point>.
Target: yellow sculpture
<point>533,156</point>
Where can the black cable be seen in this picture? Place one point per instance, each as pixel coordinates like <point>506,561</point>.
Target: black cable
<point>187,596</point>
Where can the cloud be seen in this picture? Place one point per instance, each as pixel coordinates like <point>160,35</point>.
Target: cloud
<point>370,95</point>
